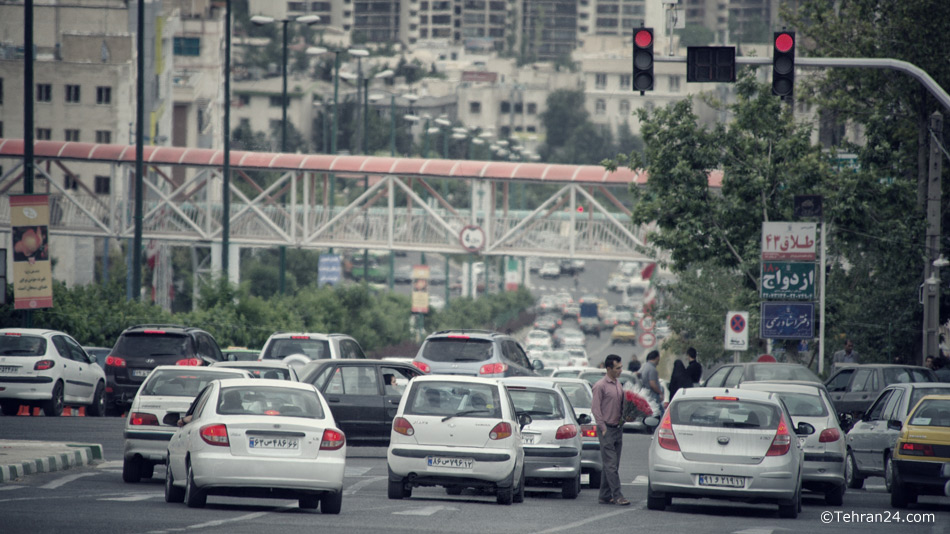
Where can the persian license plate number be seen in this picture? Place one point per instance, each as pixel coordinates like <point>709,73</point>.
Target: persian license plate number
<point>452,463</point>
<point>140,373</point>
<point>722,481</point>
<point>258,442</point>
<point>7,368</point>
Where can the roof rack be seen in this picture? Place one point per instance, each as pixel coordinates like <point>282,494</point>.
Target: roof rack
<point>467,331</point>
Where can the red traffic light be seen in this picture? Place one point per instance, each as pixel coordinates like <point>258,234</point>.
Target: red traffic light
<point>580,209</point>
<point>784,42</point>
<point>644,38</point>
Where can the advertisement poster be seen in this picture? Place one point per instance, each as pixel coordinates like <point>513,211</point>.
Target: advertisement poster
<point>420,289</point>
<point>788,241</point>
<point>786,280</point>
<point>32,272</point>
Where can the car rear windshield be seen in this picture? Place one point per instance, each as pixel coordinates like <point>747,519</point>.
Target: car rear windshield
<point>315,349</point>
<point>187,382</point>
<point>724,414</point>
<point>920,393</point>
<point>578,395</point>
<point>774,371</point>
<point>902,375</point>
<point>932,412</point>
<point>17,345</point>
<point>264,400</point>
<point>457,350</point>
<point>266,372</point>
<point>803,405</point>
<point>145,345</point>
<point>457,399</point>
<point>538,403</point>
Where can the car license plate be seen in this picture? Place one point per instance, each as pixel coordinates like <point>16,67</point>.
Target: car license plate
<point>453,463</point>
<point>529,439</point>
<point>722,481</point>
<point>256,442</point>
<point>8,368</point>
<point>140,373</point>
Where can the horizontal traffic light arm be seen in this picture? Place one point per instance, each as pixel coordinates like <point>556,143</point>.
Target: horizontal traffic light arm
<point>844,62</point>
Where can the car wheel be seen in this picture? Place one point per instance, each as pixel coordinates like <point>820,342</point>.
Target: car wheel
<point>851,473</point>
<point>9,408</point>
<point>656,500</point>
<point>331,503</point>
<point>835,497</point>
<point>453,490</point>
<point>519,495</point>
<point>310,502</point>
<point>397,489</point>
<point>790,510</point>
<point>888,472</point>
<point>54,406</point>
<point>148,469</point>
<point>570,488</point>
<point>98,406</point>
<point>594,481</point>
<point>194,497</point>
<point>901,495</point>
<point>132,469</point>
<point>172,492</point>
<point>506,495</point>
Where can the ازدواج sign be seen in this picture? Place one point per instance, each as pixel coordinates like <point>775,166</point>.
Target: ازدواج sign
<point>788,241</point>
<point>788,320</point>
<point>32,272</point>
<point>785,280</point>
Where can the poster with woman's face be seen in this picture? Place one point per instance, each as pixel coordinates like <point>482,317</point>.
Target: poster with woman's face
<point>30,243</point>
<point>32,270</point>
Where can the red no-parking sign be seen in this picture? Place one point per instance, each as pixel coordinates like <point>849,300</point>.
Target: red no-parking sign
<point>737,331</point>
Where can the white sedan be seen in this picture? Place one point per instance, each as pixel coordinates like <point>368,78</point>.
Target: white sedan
<point>550,270</point>
<point>254,437</point>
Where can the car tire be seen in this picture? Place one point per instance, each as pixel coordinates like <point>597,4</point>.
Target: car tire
<point>835,497</point>
<point>331,503</point>
<point>148,469</point>
<point>453,490</point>
<point>519,495</point>
<point>54,406</point>
<point>194,497</point>
<point>571,488</point>
<point>594,480</point>
<point>505,496</point>
<point>656,500</point>
<point>397,489</point>
<point>172,492</point>
<point>132,469</point>
<point>851,473</point>
<point>888,472</point>
<point>901,495</point>
<point>310,502</point>
<point>790,510</point>
<point>98,406</point>
<point>9,407</point>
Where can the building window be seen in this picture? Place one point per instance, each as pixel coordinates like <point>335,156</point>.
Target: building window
<point>71,182</point>
<point>103,95</point>
<point>44,134</point>
<point>532,108</point>
<point>624,107</point>
<point>103,137</point>
<point>531,129</point>
<point>600,81</point>
<point>72,134</point>
<point>187,46</point>
<point>44,92</point>
<point>600,108</point>
<point>103,185</point>
<point>505,106</point>
<point>625,82</point>
<point>474,108</point>
<point>275,101</point>
<point>519,107</point>
<point>245,123</point>
<point>244,100</point>
<point>674,84</point>
<point>72,94</point>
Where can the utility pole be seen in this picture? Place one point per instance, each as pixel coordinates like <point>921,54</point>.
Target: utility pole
<point>931,286</point>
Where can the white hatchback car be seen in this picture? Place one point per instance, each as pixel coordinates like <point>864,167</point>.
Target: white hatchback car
<point>727,443</point>
<point>48,369</point>
<point>457,432</point>
<point>260,438</point>
<point>270,369</point>
<point>167,389</point>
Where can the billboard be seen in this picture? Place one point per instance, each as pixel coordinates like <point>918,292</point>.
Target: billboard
<point>788,320</point>
<point>786,280</point>
<point>788,241</point>
<point>32,272</point>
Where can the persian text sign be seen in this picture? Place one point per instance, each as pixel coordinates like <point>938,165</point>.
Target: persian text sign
<point>788,320</point>
<point>737,331</point>
<point>329,269</point>
<point>420,289</point>
<point>32,273</point>
<point>785,280</point>
<point>788,241</point>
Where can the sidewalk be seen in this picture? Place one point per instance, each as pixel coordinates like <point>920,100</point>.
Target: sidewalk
<point>20,458</point>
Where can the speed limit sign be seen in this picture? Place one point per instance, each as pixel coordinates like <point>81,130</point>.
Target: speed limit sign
<point>647,323</point>
<point>472,237</point>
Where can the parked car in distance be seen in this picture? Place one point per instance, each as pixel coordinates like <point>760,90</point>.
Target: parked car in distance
<point>872,437</point>
<point>754,436</point>
<point>825,450</point>
<point>167,389</point>
<point>473,353</point>
<point>142,348</point>
<point>854,388</point>
<point>922,452</point>
<point>48,369</point>
<point>731,374</point>
<point>273,370</point>
<point>362,394</point>
<point>257,438</point>
<point>300,348</point>
<point>457,432</point>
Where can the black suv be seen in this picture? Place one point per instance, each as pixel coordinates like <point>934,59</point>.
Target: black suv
<point>141,348</point>
<point>473,353</point>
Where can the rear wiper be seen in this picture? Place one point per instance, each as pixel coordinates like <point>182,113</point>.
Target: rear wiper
<point>735,424</point>
<point>464,412</point>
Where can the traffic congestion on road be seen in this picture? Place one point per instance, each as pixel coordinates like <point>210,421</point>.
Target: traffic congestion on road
<point>465,437</point>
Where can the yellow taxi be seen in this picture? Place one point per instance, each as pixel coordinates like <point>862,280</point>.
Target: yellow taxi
<point>921,462</point>
<point>623,333</point>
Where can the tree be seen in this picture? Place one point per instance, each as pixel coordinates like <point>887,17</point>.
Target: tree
<point>565,112</point>
<point>696,35</point>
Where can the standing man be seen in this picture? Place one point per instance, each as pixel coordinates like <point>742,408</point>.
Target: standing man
<point>607,408</point>
<point>651,379</point>
<point>694,368</point>
<point>848,355</point>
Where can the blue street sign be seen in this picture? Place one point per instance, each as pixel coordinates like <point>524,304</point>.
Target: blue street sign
<point>788,320</point>
<point>329,269</point>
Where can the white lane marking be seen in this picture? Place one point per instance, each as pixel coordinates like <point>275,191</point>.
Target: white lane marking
<point>426,510</point>
<point>8,488</point>
<point>66,480</point>
<point>114,464</point>
<point>573,526</point>
<point>220,522</point>
<point>361,484</point>
<point>355,471</point>
<point>133,498</point>
<point>641,480</point>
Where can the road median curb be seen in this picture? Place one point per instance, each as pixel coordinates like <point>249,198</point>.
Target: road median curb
<point>21,458</point>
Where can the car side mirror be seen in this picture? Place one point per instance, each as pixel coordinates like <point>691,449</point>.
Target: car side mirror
<point>537,365</point>
<point>894,424</point>
<point>651,422</point>
<point>583,419</point>
<point>805,429</point>
<point>524,419</point>
<point>171,418</point>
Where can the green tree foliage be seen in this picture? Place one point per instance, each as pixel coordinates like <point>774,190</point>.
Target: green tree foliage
<point>696,35</point>
<point>565,113</point>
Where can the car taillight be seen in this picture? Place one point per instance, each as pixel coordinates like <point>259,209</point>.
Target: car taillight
<point>566,432</point>
<point>115,361</point>
<point>215,435</point>
<point>402,426</point>
<point>457,336</point>
<point>781,442</point>
<point>501,431</point>
<point>829,435</point>
<point>917,449</point>
<point>43,365</point>
<point>299,337</point>
<point>493,368</point>
<point>665,436</point>
<point>332,440</point>
<point>139,418</point>
<point>424,367</point>
<point>589,431</point>
<point>189,361</point>
<point>153,331</point>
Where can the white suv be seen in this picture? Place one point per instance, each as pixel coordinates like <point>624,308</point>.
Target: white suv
<point>457,432</point>
<point>300,348</point>
<point>49,369</point>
